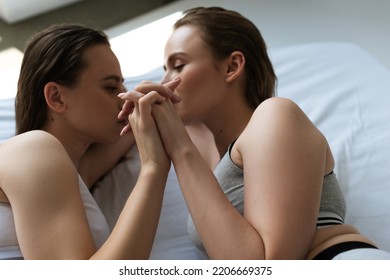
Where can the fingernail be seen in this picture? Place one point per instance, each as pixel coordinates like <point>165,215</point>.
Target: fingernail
<point>177,98</point>
<point>120,95</point>
<point>123,131</point>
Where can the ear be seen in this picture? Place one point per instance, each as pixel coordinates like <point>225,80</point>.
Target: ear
<point>235,66</point>
<point>53,97</point>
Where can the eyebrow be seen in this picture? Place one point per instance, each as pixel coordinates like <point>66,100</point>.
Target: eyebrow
<point>113,77</point>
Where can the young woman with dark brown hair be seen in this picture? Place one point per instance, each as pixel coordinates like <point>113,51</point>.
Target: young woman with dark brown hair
<point>68,135</point>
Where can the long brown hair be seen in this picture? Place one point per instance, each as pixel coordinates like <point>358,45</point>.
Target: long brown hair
<point>54,54</point>
<point>226,31</point>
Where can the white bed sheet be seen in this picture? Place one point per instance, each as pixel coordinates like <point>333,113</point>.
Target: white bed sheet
<point>343,90</point>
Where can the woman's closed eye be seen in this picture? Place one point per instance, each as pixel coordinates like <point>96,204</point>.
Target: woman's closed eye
<point>114,89</point>
<point>179,67</point>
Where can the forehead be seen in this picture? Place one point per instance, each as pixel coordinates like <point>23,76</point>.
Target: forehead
<point>100,58</point>
<point>183,38</point>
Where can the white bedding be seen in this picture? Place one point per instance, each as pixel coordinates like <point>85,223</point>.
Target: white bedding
<point>344,91</point>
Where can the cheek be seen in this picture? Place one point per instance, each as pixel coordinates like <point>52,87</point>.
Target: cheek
<point>195,83</point>
<point>196,91</point>
<point>191,90</point>
<point>97,110</point>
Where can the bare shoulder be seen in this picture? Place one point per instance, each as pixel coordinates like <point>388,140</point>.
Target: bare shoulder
<point>285,116</point>
<point>279,107</point>
<point>41,184</point>
<point>29,146</point>
<point>279,123</point>
<point>32,157</point>
<point>32,139</point>
<point>281,115</point>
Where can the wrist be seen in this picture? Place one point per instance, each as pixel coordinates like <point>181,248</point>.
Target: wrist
<point>154,169</point>
<point>185,153</point>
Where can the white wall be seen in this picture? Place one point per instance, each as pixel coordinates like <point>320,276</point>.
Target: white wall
<point>12,11</point>
<point>285,22</point>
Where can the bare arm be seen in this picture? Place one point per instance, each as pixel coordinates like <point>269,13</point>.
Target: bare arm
<point>49,214</point>
<point>137,223</point>
<point>283,156</point>
<point>213,214</point>
<point>41,184</point>
<point>284,159</point>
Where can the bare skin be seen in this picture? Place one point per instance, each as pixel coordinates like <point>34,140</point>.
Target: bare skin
<point>283,155</point>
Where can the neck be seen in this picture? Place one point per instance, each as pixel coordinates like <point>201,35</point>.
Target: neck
<point>74,146</point>
<point>228,128</point>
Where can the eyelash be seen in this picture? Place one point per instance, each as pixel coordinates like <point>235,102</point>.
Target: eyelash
<point>179,67</point>
<point>113,89</point>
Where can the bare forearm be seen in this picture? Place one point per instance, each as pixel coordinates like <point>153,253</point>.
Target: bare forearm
<point>225,233</point>
<point>133,235</point>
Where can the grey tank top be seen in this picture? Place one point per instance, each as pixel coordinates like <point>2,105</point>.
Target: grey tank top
<point>230,177</point>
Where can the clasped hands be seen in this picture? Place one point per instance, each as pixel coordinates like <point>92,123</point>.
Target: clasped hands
<point>149,93</point>
<point>152,117</point>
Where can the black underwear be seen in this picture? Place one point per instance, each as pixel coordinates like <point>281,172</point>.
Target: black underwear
<point>332,251</point>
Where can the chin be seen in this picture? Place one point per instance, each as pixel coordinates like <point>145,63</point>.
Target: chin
<point>112,139</point>
<point>180,112</point>
<point>187,118</point>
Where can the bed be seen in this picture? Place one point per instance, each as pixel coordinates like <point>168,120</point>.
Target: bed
<point>343,89</point>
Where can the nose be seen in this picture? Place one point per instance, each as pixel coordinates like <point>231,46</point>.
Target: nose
<point>167,77</point>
